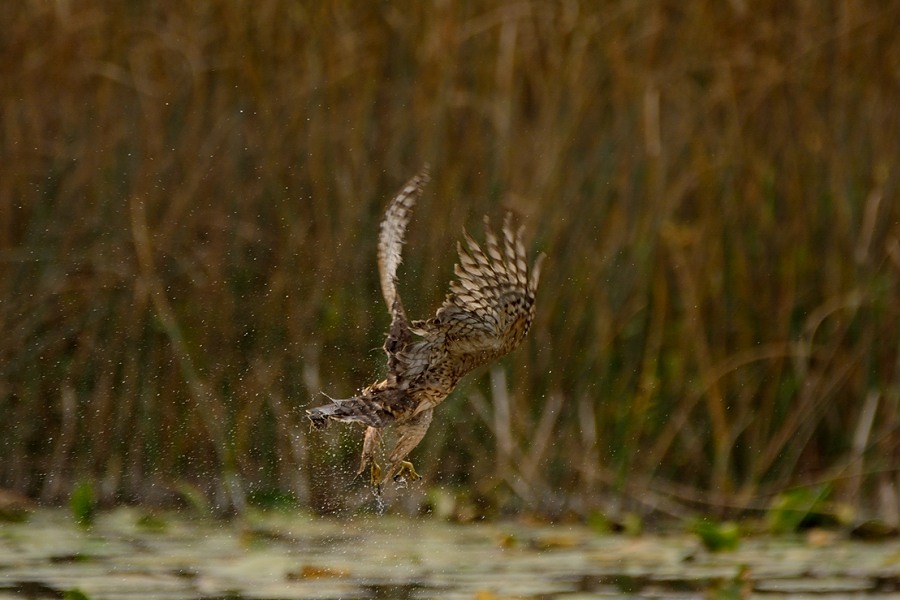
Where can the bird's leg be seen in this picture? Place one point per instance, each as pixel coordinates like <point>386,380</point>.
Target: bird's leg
<point>370,443</point>
<point>411,433</point>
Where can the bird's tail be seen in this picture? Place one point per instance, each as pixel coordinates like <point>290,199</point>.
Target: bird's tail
<point>348,410</point>
<point>319,417</point>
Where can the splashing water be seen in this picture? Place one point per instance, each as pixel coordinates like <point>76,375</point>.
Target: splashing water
<point>380,504</point>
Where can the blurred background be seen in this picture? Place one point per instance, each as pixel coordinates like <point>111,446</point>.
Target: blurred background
<point>189,203</point>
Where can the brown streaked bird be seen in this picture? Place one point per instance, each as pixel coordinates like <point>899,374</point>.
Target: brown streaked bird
<point>486,314</point>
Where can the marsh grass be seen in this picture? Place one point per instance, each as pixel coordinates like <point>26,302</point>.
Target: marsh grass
<point>190,197</point>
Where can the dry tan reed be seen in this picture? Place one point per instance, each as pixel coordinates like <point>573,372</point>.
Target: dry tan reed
<point>190,194</point>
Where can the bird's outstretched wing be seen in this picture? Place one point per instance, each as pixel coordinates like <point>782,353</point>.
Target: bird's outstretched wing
<point>391,238</point>
<point>392,234</point>
<point>490,305</point>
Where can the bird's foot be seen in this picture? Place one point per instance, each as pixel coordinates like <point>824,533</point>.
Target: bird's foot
<point>406,469</point>
<point>375,476</point>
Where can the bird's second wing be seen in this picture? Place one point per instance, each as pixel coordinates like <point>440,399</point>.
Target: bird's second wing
<point>392,235</point>
<point>391,238</point>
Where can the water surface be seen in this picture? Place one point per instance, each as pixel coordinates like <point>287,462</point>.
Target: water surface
<point>127,554</point>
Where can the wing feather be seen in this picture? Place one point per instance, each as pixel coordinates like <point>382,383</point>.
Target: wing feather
<point>391,238</point>
<point>392,234</point>
<point>490,305</point>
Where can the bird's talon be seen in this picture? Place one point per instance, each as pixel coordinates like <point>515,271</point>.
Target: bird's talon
<point>375,476</point>
<point>407,470</point>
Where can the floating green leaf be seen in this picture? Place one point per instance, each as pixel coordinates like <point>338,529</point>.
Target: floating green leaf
<point>790,510</point>
<point>151,522</point>
<point>81,502</point>
<point>717,537</point>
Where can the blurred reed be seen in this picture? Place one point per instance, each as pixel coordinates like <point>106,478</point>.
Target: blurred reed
<point>190,195</point>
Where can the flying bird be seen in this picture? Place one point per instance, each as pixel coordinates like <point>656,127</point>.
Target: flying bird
<point>486,314</point>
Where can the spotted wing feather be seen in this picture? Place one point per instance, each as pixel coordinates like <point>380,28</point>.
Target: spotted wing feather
<point>392,234</point>
<point>490,305</point>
